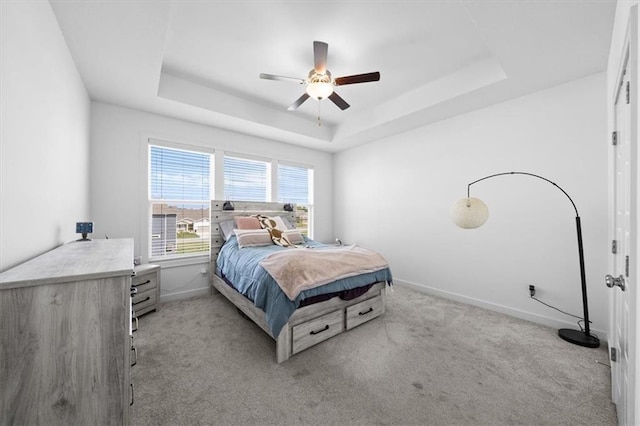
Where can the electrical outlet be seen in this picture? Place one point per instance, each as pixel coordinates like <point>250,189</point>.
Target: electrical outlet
<point>532,290</point>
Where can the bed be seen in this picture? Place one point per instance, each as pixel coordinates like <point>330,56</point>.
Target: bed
<point>315,314</point>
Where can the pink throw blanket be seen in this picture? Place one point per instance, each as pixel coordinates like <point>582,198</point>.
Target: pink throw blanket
<point>305,268</point>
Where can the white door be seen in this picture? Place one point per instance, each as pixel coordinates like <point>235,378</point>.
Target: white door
<point>618,278</point>
<point>621,279</point>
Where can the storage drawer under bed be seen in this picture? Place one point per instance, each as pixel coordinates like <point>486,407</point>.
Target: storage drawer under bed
<point>307,334</point>
<point>363,312</point>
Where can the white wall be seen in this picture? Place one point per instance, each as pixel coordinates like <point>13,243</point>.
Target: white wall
<point>44,141</point>
<point>394,196</point>
<point>119,195</point>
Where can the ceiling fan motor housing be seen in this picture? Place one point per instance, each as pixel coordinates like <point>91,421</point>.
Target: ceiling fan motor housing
<point>315,77</point>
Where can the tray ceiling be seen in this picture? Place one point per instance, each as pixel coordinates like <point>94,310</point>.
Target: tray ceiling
<point>200,61</point>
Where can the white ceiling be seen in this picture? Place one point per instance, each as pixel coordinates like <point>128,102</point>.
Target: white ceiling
<point>200,60</point>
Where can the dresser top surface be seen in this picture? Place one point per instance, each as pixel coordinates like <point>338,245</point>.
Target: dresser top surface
<point>74,261</point>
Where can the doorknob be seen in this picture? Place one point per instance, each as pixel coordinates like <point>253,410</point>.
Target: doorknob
<point>613,281</point>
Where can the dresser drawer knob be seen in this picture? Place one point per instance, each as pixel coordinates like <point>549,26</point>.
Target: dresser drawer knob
<point>326,327</point>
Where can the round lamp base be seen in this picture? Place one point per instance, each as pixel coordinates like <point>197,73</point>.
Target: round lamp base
<point>578,337</point>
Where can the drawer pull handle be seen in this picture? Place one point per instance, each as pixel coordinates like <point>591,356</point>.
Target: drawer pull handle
<point>142,301</point>
<point>135,356</point>
<point>326,327</point>
<point>134,320</point>
<point>365,312</point>
<point>146,282</point>
<point>131,403</point>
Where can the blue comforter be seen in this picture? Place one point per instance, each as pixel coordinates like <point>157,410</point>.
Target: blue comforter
<point>242,268</point>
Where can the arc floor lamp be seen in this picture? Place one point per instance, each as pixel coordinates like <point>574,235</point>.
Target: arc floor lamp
<point>471,213</point>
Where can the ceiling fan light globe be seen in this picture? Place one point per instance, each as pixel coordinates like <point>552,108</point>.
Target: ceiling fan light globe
<point>319,90</point>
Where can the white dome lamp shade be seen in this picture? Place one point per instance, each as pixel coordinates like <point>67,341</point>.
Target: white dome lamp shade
<point>469,213</point>
<point>319,86</point>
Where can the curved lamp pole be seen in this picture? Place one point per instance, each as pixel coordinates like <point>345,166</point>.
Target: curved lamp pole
<point>471,213</point>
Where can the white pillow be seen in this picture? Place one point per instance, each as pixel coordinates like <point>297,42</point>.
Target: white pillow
<point>226,228</point>
<point>287,224</point>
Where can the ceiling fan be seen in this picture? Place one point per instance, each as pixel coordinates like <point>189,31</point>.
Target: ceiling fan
<point>319,83</point>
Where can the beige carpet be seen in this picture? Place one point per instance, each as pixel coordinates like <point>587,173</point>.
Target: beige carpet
<point>427,361</point>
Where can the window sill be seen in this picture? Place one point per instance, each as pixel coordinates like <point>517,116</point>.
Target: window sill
<point>178,262</point>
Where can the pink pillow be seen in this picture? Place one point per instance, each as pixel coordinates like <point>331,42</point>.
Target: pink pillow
<point>245,222</point>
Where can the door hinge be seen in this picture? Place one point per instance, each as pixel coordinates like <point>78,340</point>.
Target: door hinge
<point>614,355</point>
<point>626,266</point>
<point>628,95</point>
<point>614,138</point>
<point>614,247</point>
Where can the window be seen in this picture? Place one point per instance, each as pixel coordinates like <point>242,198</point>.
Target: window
<point>245,179</point>
<point>179,195</point>
<point>294,186</point>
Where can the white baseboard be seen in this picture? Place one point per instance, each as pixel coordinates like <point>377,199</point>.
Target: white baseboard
<point>538,319</point>
<point>184,294</point>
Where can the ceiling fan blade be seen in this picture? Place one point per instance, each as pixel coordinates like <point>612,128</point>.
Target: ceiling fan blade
<point>341,103</point>
<point>281,78</point>
<point>320,49</point>
<point>358,78</point>
<point>298,102</point>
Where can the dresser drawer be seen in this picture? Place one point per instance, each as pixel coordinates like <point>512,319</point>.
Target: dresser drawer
<point>316,330</point>
<point>144,282</point>
<point>363,312</point>
<point>144,300</point>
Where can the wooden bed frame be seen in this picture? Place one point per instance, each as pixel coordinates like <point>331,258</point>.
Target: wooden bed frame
<point>308,325</point>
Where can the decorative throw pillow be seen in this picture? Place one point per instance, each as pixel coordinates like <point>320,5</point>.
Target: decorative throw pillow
<point>276,228</point>
<point>253,237</point>
<point>294,236</point>
<point>247,222</point>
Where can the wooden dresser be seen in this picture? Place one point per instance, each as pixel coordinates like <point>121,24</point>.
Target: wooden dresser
<point>65,336</point>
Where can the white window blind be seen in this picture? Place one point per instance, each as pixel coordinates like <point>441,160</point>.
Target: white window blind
<point>179,194</point>
<point>293,184</point>
<point>245,179</point>
<point>294,187</point>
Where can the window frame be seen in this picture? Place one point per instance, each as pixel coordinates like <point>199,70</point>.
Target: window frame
<point>180,258</point>
<point>216,176</point>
